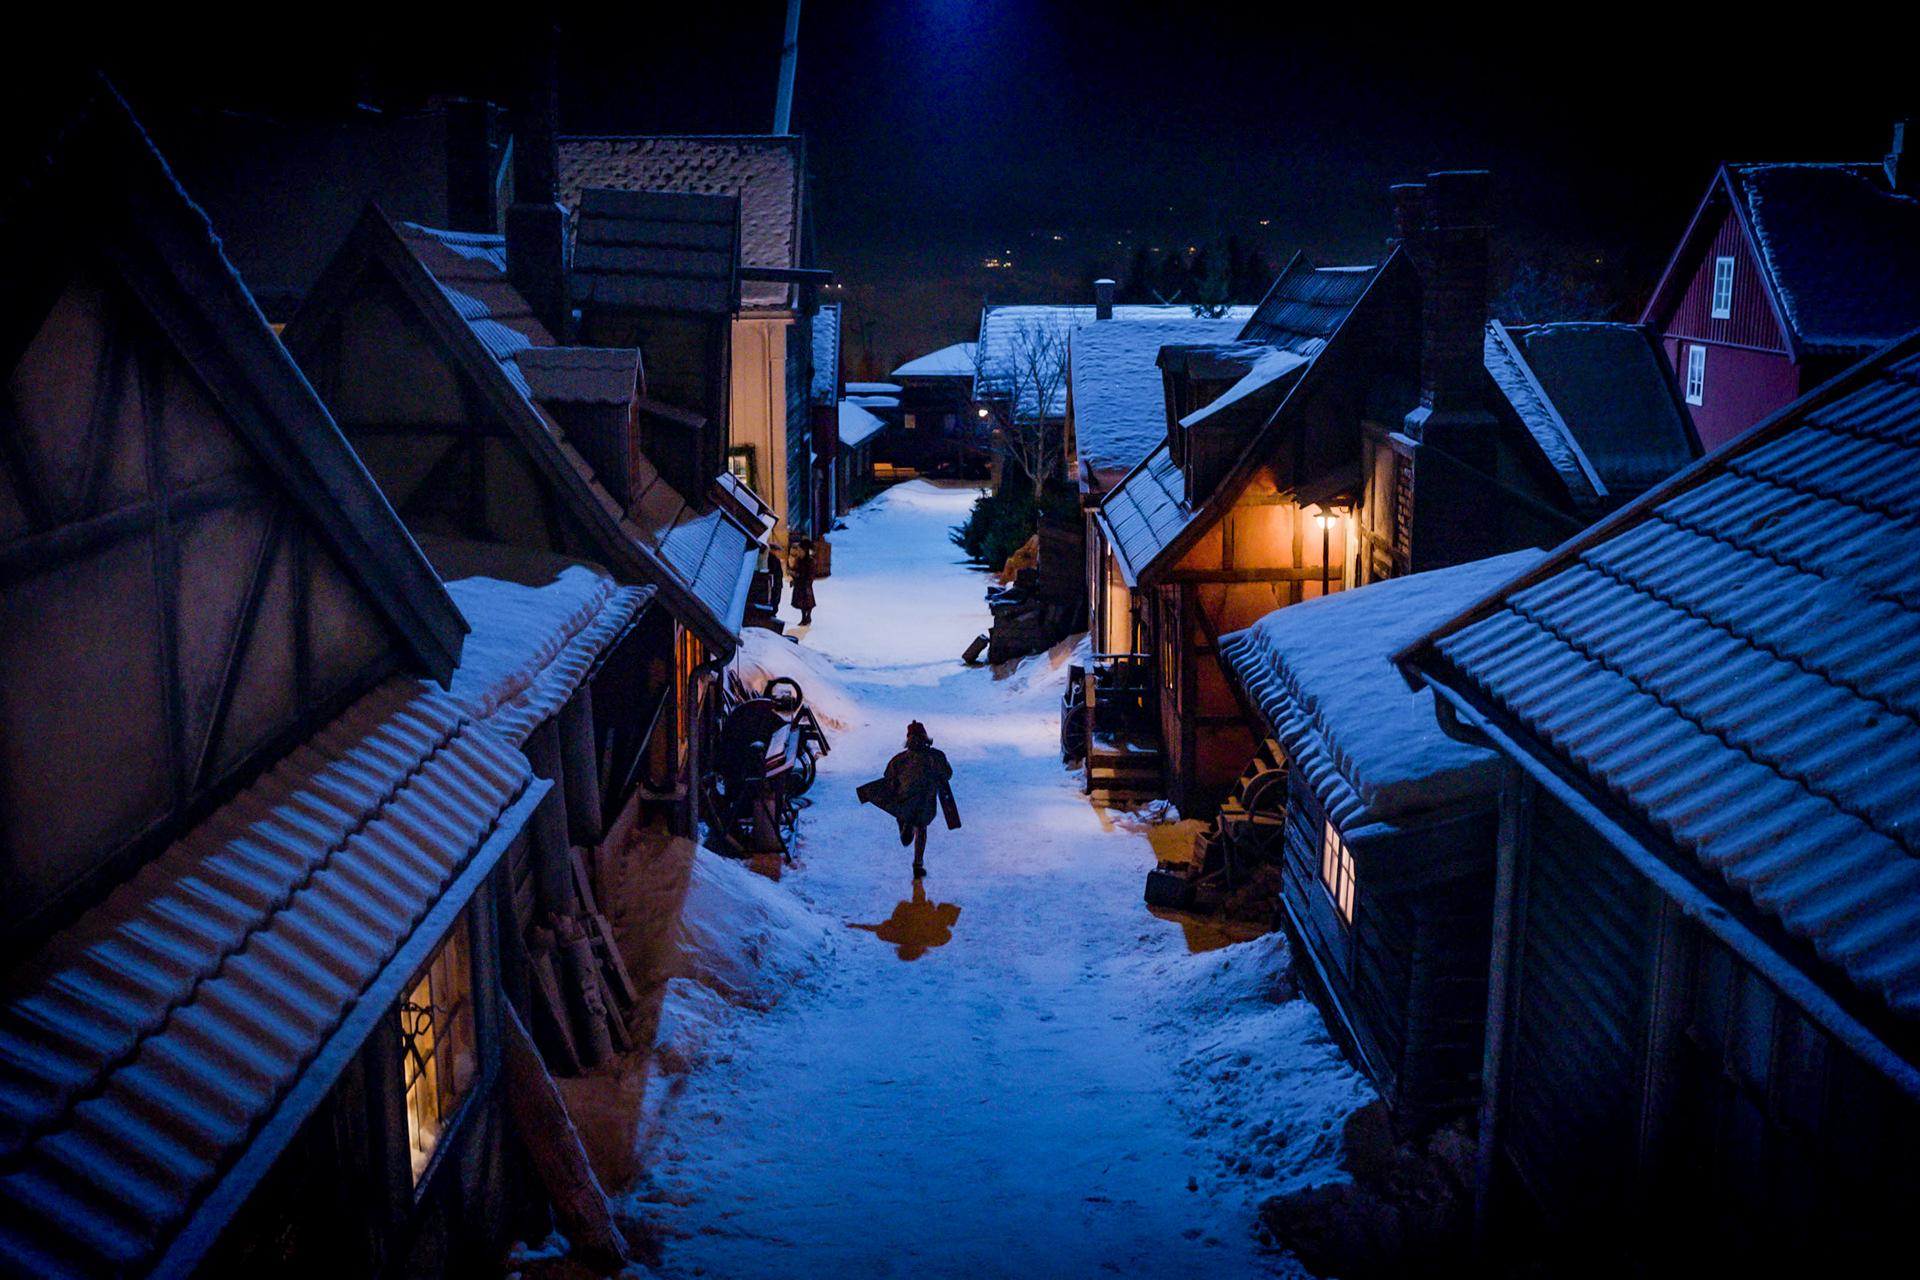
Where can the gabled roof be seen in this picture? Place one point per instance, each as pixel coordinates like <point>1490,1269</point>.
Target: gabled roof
<point>702,563</point>
<point>765,172</point>
<point>1731,663</point>
<point>1146,516</point>
<point>1369,748</point>
<point>1118,396</point>
<point>826,353</point>
<point>954,361</point>
<point>1840,251</point>
<point>656,251</point>
<point>857,425</point>
<point>1003,329</point>
<point>1609,385</point>
<point>98,177</point>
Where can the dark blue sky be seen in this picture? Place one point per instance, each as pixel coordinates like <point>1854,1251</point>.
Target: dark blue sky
<point>945,131</point>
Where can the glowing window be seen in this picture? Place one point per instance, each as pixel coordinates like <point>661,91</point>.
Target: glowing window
<point>1336,871</point>
<point>437,1046</point>
<point>1722,288</point>
<point>1696,375</point>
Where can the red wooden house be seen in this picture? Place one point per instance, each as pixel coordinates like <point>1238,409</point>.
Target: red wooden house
<point>1787,274</point>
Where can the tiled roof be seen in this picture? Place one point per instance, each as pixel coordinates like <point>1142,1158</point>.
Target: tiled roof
<point>1004,330</point>
<point>1369,748</point>
<point>656,251</point>
<point>147,1045</point>
<point>1842,249</point>
<point>955,361</point>
<point>1306,303</point>
<point>764,172</point>
<point>1145,512</point>
<point>826,354</point>
<point>1735,662</point>
<point>1119,404</point>
<point>580,375</point>
<point>1609,385</point>
<point>539,625</point>
<point>702,562</point>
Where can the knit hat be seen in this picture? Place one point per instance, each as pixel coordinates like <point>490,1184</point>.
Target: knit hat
<point>917,732</point>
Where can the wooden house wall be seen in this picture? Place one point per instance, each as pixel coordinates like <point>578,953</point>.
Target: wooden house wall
<point>1585,929</point>
<point>1752,323</point>
<point>1740,387</point>
<point>757,403</point>
<point>168,619</point>
<point>684,363</point>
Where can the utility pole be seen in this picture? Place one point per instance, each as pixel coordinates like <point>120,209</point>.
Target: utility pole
<point>789,54</point>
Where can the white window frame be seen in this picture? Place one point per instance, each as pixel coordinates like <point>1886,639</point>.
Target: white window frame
<point>1696,374</point>
<point>1336,872</point>
<point>1722,287</point>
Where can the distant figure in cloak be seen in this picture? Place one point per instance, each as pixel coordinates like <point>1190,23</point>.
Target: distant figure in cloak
<point>913,789</point>
<point>803,580</point>
<point>916,927</point>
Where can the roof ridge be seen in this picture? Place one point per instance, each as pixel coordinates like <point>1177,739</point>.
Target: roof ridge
<point>1904,840</point>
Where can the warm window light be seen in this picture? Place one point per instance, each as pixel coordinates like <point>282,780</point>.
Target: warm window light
<point>436,1039</point>
<point>1336,871</point>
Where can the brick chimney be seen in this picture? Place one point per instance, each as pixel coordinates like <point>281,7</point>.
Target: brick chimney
<point>1103,299</point>
<point>536,224</point>
<point>1443,225</point>
<point>1903,175</point>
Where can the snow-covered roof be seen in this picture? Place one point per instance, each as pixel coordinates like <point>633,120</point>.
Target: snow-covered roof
<point>1002,329</point>
<point>1306,303</point>
<point>1514,379</point>
<point>671,251</point>
<point>1321,673</point>
<point>1730,664</point>
<point>857,424</point>
<point>826,353</point>
<point>873,388</point>
<point>1841,248</point>
<point>955,361</point>
<point>875,401</point>
<point>539,626</point>
<point>1119,404</point>
<point>1145,512</point>
<point>1267,373</point>
<point>766,172</point>
<point>580,375</point>
<point>703,561</point>
<point>210,1003</point>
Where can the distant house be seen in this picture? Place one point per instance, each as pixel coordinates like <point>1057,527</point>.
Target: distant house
<point>1387,848</point>
<point>1704,1037</point>
<point>858,430</point>
<point>1787,274</point>
<point>251,853</point>
<point>941,431</point>
<point>768,407</point>
<point>824,404</point>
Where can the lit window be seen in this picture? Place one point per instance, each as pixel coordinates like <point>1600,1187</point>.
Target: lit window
<point>1722,288</point>
<point>1696,375</point>
<point>1336,871</point>
<point>436,1038</point>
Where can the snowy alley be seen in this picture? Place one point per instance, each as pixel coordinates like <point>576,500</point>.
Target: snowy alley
<point>1010,1069</point>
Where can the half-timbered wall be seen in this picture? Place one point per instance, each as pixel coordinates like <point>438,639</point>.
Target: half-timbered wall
<point>168,621</point>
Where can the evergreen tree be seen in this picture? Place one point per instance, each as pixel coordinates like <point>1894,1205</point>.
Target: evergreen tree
<point>1138,284</point>
<point>1213,279</point>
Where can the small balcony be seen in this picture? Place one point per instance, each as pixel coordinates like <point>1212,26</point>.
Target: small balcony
<point>1110,718</point>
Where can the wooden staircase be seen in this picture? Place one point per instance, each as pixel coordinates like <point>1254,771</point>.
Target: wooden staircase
<point>1123,771</point>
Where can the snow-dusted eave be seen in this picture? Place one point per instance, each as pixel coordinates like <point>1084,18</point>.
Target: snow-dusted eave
<point>1549,429</point>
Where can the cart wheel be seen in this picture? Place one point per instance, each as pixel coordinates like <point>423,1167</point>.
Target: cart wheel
<point>784,692</point>
<point>800,777</point>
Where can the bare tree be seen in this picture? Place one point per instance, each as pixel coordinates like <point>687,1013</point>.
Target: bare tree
<point>1023,391</point>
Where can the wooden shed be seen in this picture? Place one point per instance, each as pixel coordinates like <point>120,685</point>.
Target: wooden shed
<point>1388,836</point>
<point>1704,1036</point>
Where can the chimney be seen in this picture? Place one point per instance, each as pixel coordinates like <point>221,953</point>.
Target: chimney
<point>1448,243</point>
<point>536,224</point>
<point>473,157</point>
<point>1902,177</point>
<point>1103,299</point>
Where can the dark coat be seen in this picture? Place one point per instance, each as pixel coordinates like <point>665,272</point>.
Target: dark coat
<point>803,582</point>
<point>913,783</point>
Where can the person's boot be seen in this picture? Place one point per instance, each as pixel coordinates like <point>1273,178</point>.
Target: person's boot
<point>919,870</point>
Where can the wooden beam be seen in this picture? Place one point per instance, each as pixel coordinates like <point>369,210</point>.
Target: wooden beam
<point>108,389</point>
<point>40,552</point>
<point>237,643</point>
<point>166,569</point>
<point>19,470</point>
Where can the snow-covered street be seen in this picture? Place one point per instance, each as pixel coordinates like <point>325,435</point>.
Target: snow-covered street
<point>1011,1070</point>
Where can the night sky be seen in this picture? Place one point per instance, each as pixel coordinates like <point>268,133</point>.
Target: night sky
<point>944,133</point>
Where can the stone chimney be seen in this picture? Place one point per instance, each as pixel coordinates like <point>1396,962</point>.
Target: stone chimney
<point>473,157</point>
<point>1103,299</point>
<point>1443,225</point>
<point>1903,175</point>
<point>536,224</point>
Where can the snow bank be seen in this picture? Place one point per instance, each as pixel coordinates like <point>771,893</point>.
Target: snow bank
<point>1270,1093</point>
<point>764,656</point>
<point>744,937</point>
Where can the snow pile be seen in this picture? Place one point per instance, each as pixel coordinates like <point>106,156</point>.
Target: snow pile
<point>744,937</point>
<point>1269,1090</point>
<point>1151,814</point>
<point>764,656</point>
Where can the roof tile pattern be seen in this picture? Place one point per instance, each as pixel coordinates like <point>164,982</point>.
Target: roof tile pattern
<point>1119,405</point>
<point>1736,666</point>
<point>656,251</point>
<point>763,172</point>
<point>1146,512</point>
<point>142,1048</point>
<point>1306,302</point>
